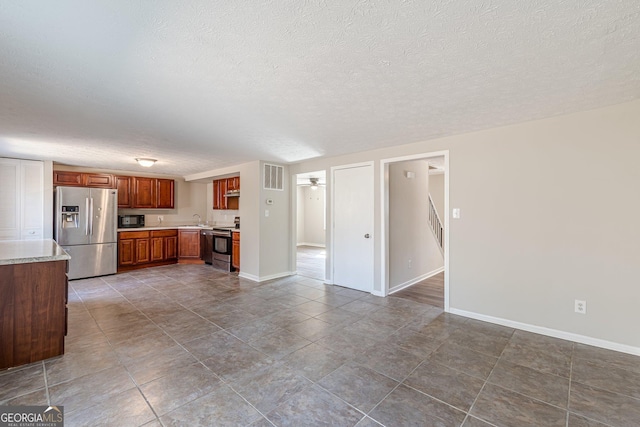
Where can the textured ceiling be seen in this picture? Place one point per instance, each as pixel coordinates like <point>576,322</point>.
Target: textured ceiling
<point>201,85</point>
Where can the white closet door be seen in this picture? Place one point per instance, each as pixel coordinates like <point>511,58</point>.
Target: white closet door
<point>21,199</point>
<point>9,199</point>
<point>32,204</point>
<point>353,227</point>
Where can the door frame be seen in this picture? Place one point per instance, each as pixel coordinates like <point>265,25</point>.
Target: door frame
<point>384,223</point>
<point>293,256</point>
<point>332,211</point>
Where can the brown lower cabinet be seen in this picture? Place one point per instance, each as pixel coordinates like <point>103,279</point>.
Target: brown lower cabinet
<point>139,249</point>
<point>189,245</point>
<point>235,250</point>
<point>33,312</point>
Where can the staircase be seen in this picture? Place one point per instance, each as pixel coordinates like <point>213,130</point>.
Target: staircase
<point>436,225</point>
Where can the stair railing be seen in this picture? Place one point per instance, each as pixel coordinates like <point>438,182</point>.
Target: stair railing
<point>436,224</point>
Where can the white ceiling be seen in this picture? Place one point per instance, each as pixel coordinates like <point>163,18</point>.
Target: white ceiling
<point>201,85</point>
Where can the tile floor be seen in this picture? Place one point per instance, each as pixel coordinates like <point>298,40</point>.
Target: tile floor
<point>185,345</point>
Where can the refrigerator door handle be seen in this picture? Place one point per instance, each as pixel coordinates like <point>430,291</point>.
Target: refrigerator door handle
<point>91,220</point>
<point>87,216</point>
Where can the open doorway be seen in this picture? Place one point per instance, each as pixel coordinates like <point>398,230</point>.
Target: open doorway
<point>414,227</point>
<point>311,224</point>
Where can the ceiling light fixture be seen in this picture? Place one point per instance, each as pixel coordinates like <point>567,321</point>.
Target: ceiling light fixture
<point>147,163</point>
<point>314,183</point>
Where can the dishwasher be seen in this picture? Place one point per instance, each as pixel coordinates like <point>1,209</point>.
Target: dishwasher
<point>206,246</point>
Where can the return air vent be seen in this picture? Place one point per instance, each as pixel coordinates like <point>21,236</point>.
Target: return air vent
<point>273,177</point>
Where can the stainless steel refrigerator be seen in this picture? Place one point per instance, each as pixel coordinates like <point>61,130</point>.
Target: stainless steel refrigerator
<point>86,222</point>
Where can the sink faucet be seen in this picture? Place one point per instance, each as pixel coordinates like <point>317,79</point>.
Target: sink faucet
<point>199,219</point>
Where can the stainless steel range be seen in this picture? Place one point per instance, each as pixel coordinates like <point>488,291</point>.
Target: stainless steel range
<point>221,247</point>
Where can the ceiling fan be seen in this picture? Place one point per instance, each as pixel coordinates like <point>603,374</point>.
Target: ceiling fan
<point>314,183</point>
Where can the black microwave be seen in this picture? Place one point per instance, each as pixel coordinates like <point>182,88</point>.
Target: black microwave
<point>130,221</point>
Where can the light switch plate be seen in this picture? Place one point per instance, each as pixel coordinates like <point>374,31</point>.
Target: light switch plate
<point>456,213</point>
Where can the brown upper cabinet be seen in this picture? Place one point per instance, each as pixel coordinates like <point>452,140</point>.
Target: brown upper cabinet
<point>123,184</point>
<point>233,184</point>
<point>164,193</point>
<point>134,192</point>
<point>83,179</point>
<point>220,188</point>
<point>145,193</point>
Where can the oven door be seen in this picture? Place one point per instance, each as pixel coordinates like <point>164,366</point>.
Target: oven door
<point>222,244</point>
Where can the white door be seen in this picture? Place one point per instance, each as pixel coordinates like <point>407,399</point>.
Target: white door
<point>353,227</point>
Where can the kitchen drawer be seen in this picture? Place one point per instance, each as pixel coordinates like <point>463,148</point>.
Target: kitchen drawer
<point>134,234</point>
<point>164,233</point>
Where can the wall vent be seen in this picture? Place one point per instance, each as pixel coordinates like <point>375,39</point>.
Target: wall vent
<point>273,177</point>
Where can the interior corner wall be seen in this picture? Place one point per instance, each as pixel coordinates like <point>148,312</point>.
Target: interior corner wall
<point>524,251</point>
<point>300,214</point>
<point>249,210</point>
<point>275,229</point>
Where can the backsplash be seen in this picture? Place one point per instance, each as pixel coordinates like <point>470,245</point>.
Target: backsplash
<point>224,217</point>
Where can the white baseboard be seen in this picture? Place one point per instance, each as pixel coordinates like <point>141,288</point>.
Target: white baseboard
<point>315,245</point>
<point>259,279</point>
<point>248,277</point>
<point>415,280</point>
<point>377,293</point>
<point>582,339</point>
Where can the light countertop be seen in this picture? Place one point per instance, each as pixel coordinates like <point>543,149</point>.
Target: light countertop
<point>168,227</point>
<point>179,227</point>
<point>27,251</point>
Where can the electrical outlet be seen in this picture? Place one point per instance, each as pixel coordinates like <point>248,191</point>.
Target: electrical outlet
<point>409,264</point>
<point>581,306</point>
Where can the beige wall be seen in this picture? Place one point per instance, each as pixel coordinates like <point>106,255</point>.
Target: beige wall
<point>275,230</point>
<point>526,250</point>
<point>311,229</point>
<point>264,241</point>
<point>413,251</point>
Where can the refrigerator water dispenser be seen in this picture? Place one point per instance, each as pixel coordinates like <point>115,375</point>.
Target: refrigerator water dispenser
<point>70,216</point>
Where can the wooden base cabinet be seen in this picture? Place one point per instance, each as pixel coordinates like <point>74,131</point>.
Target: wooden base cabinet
<point>189,245</point>
<point>140,249</point>
<point>235,250</point>
<point>164,245</point>
<point>33,314</point>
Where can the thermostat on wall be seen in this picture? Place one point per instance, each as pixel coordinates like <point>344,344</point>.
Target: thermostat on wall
<point>269,201</point>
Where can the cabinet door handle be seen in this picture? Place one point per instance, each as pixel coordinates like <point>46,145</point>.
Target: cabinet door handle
<point>366,236</point>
